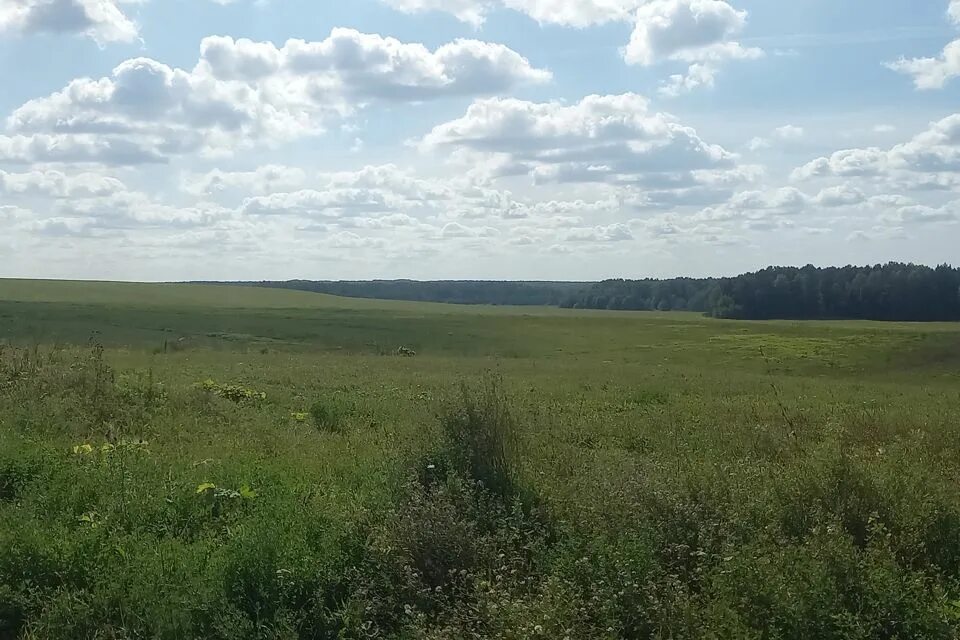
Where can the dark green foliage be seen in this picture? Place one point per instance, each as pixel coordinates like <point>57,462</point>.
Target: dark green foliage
<point>893,291</point>
<point>676,294</point>
<point>328,414</point>
<point>479,434</point>
<point>18,467</point>
<point>452,291</point>
<point>233,392</point>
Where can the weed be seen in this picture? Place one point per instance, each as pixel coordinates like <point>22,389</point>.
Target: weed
<point>480,437</point>
<point>328,414</point>
<point>233,392</point>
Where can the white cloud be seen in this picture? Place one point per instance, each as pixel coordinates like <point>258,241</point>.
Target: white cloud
<point>681,29</point>
<point>922,214</point>
<point>934,73</point>
<point>40,148</point>
<point>571,13</point>
<point>785,200</point>
<point>787,133</point>
<point>262,180</point>
<point>107,209</point>
<point>101,20</point>
<point>698,32</point>
<point>846,163</point>
<point>840,196</point>
<point>616,232</point>
<point>931,73</point>
<point>470,11</point>
<point>936,150</point>
<point>241,93</point>
<point>132,209</point>
<point>575,13</point>
<point>56,184</point>
<point>311,204</point>
<point>601,139</point>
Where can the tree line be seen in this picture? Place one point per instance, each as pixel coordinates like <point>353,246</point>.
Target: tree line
<point>892,291</point>
<point>450,291</point>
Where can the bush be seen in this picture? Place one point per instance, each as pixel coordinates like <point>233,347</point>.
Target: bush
<point>327,414</point>
<point>17,469</point>
<point>479,438</point>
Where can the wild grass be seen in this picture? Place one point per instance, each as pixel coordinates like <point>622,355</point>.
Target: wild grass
<point>528,474</point>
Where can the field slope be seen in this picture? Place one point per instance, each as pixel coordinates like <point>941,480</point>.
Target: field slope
<point>202,461</point>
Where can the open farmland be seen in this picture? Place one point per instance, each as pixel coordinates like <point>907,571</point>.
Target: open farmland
<point>200,461</point>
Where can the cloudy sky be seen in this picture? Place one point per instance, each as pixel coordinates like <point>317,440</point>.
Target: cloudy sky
<point>503,139</point>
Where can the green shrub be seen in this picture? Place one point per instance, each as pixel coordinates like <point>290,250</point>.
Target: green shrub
<point>233,392</point>
<point>479,438</point>
<point>17,469</point>
<point>328,414</point>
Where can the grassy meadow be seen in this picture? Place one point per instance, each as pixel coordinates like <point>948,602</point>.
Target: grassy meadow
<point>201,461</point>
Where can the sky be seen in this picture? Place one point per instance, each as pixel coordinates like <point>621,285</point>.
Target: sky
<point>163,140</point>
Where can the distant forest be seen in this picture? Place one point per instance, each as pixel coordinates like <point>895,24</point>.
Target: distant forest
<point>893,291</point>
<point>451,291</point>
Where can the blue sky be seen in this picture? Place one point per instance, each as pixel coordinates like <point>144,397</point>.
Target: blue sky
<point>505,139</point>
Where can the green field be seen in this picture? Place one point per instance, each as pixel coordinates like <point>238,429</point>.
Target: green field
<point>199,461</point>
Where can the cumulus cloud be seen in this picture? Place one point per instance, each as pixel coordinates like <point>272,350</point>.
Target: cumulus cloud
<point>616,232</point>
<point>262,180</point>
<point>56,184</point>
<point>133,209</point>
<point>681,30</point>
<point>934,72</point>
<point>772,209</point>
<point>601,139</point>
<point>840,196</point>
<point>242,92</point>
<point>374,196</point>
<point>845,163</point>
<point>931,73</point>
<point>698,32</point>
<point>102,20</point>
<point>936,150</point>
<point>77,148</point>
<point>916,214</point>
<point>103,207</point>
<point>362,66</point>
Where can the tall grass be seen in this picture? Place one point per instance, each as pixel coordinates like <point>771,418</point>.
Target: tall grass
<point>617,479</point>
<point>480,439</point>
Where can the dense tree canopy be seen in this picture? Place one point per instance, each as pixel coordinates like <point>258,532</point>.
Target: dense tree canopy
<point>893,291</point>
<point>678,294</point>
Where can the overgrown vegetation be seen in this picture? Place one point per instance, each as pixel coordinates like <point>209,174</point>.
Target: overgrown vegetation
<point>663,477</point>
